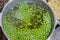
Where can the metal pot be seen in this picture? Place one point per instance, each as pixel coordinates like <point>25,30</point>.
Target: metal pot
<point>43,3</point>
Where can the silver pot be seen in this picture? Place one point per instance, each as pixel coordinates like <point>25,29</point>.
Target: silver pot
<point>43,3</point>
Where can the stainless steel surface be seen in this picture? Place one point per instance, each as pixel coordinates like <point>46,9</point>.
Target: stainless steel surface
<point>58,22</point>
<point>56,34</point>
<point>0,19</point>
<point>12,3</point>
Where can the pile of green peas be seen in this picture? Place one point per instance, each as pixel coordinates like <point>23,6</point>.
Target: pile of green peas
<point>27,22</point>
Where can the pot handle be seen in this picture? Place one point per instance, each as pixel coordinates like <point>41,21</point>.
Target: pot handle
<point>58,24</point>
<point>0,19</point>
<point>45,0</point>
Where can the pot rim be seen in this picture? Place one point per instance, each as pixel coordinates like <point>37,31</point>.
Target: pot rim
<point>55,20</point>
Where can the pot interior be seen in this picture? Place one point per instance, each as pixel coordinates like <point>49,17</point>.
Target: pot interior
<point>39,2</point>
